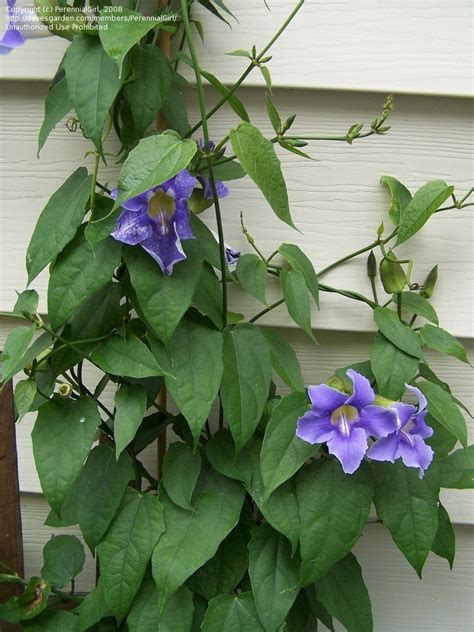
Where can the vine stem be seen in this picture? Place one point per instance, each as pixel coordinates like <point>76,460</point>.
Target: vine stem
<point>209,160</point>
<point>253,64</point>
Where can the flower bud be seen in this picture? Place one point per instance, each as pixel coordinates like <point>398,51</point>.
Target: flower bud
<point>65,389</point>
<point>430,283</point>
<point>371,265</point>
<point>392,275</point>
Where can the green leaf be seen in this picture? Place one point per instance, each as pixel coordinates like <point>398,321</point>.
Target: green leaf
<point>15,347</point>
<point>195,360</point>
<point>266,77</point>
<point>62,437</point>
<point>281,510</point>
<point>208,295</point>
<point>399,334</point>
<point>93,83</point>
<point>36,349</point>
<point>246,380</point>
<point>223,572</point>
<point>58,222</point>
<point>144,615</point>
<point>92,609</point>
<point>284,360</point>
<point>174,109</point>
<point>232,613</point>
<point>296,297</point>
<point>99,491</point>
<point>52,620</point>
<point>25,391</point>
<point>442,341</point>
<point>400,197</point>
<point>147,92</point>
<point>164,299</point>
<point>130,406</point>
<point>299,261</point>
<point>457,469</point>
<point>126,357</point>
<point>444,544</point>
<point>333,511</point>
<point>258,158</point>
<point>220,451</point>
<point>181,469</point>
<point>56,106</point>
<point>155,159</point>
<point>192,538</point>
<point>442,407</point>
<point>102,221</point>
<point>118,37</point>
<point>418,211</point>
<point>408,507</point>
<point>26,303</point>
<point>283,453</point>
<point>251,273</point>
<point>63,559</point>
<point>79,272</point>
<point>232,100</point>
<point>392,367</point>
<point>29,604</point>
<point>273,115</point>
<point>318,610</point>
<point>419,305</point>
<point>442,441</point>
<point>97,316</point>
<point>344,595</point>
<point>126,549</point>
<point>273,575</point>
<point>229,170</point>
<point>207,241</point>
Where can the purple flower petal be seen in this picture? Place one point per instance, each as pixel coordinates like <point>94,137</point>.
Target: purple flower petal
<point>349,449</point>
<point>166,250</point>
<point>377,421</point>
<point>325,399</point>
<point>139,202</point>
<point>132,228</point>
<point>314,429</point>
<point>420,427</point>
<point>404,413</point>
<point>181,219</point>
<point>415,453</point>
<point>422,403</point>
<point>385,449</point>
<point>181,185</point>
<point>363,394</point>
<point>12,38</point>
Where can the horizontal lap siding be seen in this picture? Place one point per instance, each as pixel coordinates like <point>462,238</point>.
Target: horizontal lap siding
<point>336,200</point>
<point>414,46</point>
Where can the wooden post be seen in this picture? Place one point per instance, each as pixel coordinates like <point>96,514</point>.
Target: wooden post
<point>11,544</point>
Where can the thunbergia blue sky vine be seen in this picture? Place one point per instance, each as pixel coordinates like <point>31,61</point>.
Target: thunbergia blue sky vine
<point>235,488</point>
<point>344,422</point>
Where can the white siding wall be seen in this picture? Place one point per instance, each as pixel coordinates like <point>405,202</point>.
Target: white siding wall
<point>329,68</point>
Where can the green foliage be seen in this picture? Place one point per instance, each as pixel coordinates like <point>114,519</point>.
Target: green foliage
<point>181,469</point>
<point>296,258</point>
<point>155,160</point>
<point>245,381</point>
<point>284,360</point>
<point>417,212</point>
<point>273,576</point>
<point>127,547</point>
<point>93,82</point>
<point>443,408</point>
<point>62,437</point>
<point>408,507</point>
<point>399,334</point>
<point>63,559</point>
<point>251,273</point>
<point>344,595</point>
<point>126,356</point>
<point>457,469</point>
<point>444,544</point>
<point>333,510</point>
<point>392,367</point>
<point>257,156</point>
<point>400,197</point>
<point>58,222</point>
<point>234,612</point>
<point>56,106</point>
<point>442,341</point>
